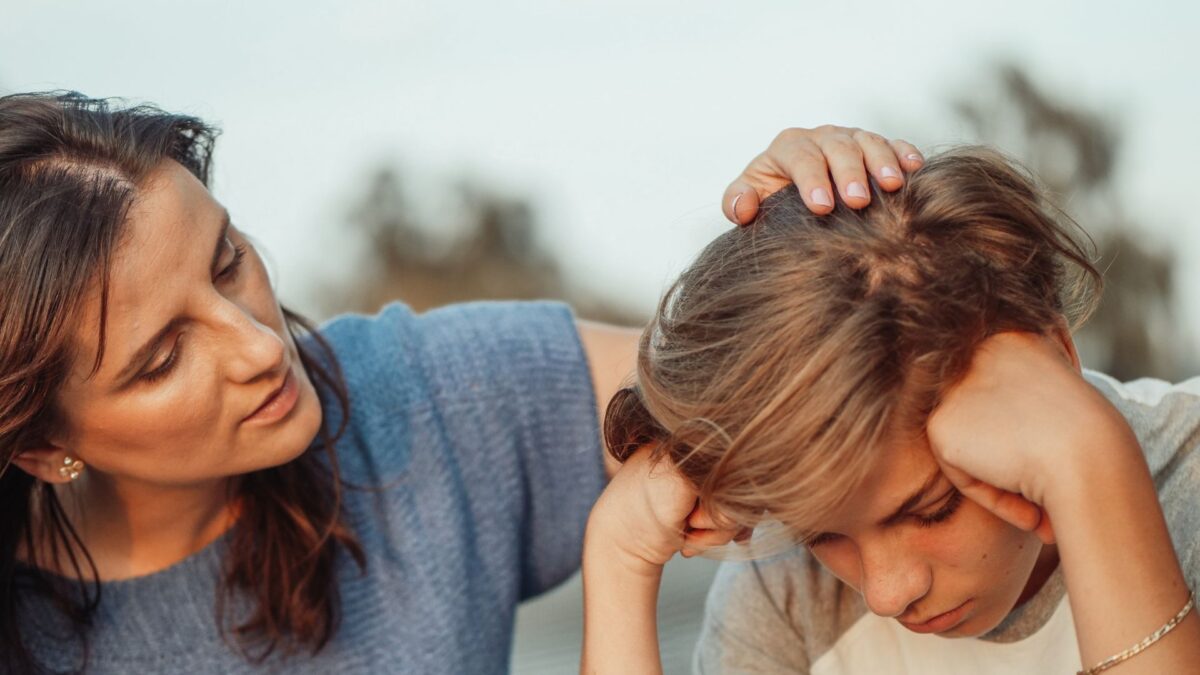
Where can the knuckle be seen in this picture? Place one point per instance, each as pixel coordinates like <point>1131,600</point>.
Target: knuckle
<point>791,135</point>
<point>864,137</point>
<point>807,158</point>
<point>842,145</point>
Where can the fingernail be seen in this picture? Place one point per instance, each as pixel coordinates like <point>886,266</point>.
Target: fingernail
<point>734,203</point>
<point>856,189</point>
<point>915,157</point>
<point>889,172</point>
<point>821,196</point>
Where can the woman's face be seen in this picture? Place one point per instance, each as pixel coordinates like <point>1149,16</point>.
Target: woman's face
<point>920,552</point>
<point>200,378</point>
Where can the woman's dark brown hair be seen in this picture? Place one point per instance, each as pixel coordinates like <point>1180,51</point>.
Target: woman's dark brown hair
<point>790,353</point>
<point>70,167</point>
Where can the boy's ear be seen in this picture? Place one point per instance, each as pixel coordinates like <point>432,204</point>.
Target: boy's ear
<point>1061,334</point>
<point>44,464</point>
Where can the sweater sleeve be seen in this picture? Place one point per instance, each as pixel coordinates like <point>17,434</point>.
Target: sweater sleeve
<point>487,411</point>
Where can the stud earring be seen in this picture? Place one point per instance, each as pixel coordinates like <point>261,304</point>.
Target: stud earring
<point>71,468</point>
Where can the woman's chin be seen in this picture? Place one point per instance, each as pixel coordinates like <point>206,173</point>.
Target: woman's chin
<point>293,435</point>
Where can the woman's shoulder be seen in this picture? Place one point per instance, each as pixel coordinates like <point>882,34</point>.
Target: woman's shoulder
<point>494,393</point>
<point>466,344</point>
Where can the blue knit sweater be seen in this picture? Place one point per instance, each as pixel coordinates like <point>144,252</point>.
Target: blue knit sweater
<point>478,422</point>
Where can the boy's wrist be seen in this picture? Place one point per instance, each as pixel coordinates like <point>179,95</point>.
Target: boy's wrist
<point>1104,458</point>
<point>604,553</point>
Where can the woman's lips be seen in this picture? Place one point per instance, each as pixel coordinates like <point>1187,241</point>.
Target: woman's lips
<point>278,404</point>
<point>942,622</point>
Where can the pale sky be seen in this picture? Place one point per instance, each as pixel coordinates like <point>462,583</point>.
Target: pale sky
<point>623,120</point>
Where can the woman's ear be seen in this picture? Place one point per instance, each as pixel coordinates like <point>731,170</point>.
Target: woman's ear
<point>49,465</point>
<point>1061,336</point>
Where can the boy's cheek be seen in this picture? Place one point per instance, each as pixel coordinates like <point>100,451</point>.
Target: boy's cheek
<point>841,559</point>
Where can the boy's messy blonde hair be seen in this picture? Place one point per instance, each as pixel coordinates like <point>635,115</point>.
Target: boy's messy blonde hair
<point>791,351</point>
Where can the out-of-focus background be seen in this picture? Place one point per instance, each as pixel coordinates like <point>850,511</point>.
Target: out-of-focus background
<point>436,152</point>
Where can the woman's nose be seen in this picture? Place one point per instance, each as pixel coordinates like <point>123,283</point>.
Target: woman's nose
<point>254,349</point>
<point>892,580</point>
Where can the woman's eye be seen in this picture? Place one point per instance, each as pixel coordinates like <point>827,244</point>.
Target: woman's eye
<point>166,367</point>
<point>230,271</point>
<point>947,509</point>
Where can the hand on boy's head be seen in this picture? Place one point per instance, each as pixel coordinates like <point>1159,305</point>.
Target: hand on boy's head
<point>1021,418</point>
<point>808,157</point>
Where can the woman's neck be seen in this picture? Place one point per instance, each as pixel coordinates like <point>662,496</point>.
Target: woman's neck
<point>132,529</point>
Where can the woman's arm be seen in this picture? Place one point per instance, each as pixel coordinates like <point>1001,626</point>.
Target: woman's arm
<point>1025,435</point>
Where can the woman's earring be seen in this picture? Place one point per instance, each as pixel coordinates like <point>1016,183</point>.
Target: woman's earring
<point>71,468</point>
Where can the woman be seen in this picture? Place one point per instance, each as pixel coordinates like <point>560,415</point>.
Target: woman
<point>899,390</point>
<point>193,483</point>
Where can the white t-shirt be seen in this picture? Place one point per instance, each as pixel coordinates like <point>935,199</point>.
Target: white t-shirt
<point>789,615</point>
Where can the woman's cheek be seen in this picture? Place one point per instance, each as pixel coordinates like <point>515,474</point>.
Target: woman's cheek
<point>190,406</point>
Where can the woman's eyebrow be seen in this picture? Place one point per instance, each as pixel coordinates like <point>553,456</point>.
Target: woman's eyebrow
<point>147,350</point>
<point>915,498</point>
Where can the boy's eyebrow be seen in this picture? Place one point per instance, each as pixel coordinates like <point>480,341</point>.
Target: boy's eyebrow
<point>915,498</point>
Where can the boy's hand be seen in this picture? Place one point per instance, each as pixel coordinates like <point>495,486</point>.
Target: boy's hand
<point>648,512</point>
<point>1021,420</point>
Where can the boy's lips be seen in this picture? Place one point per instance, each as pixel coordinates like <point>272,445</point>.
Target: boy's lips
<point>940,622</point>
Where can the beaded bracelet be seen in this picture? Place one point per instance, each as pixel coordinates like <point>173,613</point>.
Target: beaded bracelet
<point>1150,639</point>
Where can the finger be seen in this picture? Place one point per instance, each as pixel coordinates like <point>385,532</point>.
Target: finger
<point>699,519</point>
<point>846,163</point>
<point>1008,506</point>
<point>1044,530</point>
<point>740,203</point>
<point>804,164</point>
<point>702,539</point>
<point>910,157</point>
<point>795,154</point>
<point>881,160</point>
<point>699,541</point>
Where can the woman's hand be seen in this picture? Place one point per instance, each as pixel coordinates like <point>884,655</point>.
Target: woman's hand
<point>807,157</point>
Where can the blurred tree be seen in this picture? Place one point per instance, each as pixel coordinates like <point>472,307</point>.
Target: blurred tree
<point>1136,332</point>
<point>497,256</point>
<point>1075,151</point>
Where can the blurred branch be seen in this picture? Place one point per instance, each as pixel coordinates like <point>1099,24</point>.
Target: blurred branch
<point>497,257</point>
<point>1075,151</point>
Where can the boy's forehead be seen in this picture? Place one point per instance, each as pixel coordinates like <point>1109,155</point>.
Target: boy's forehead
<point>899,472</point>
